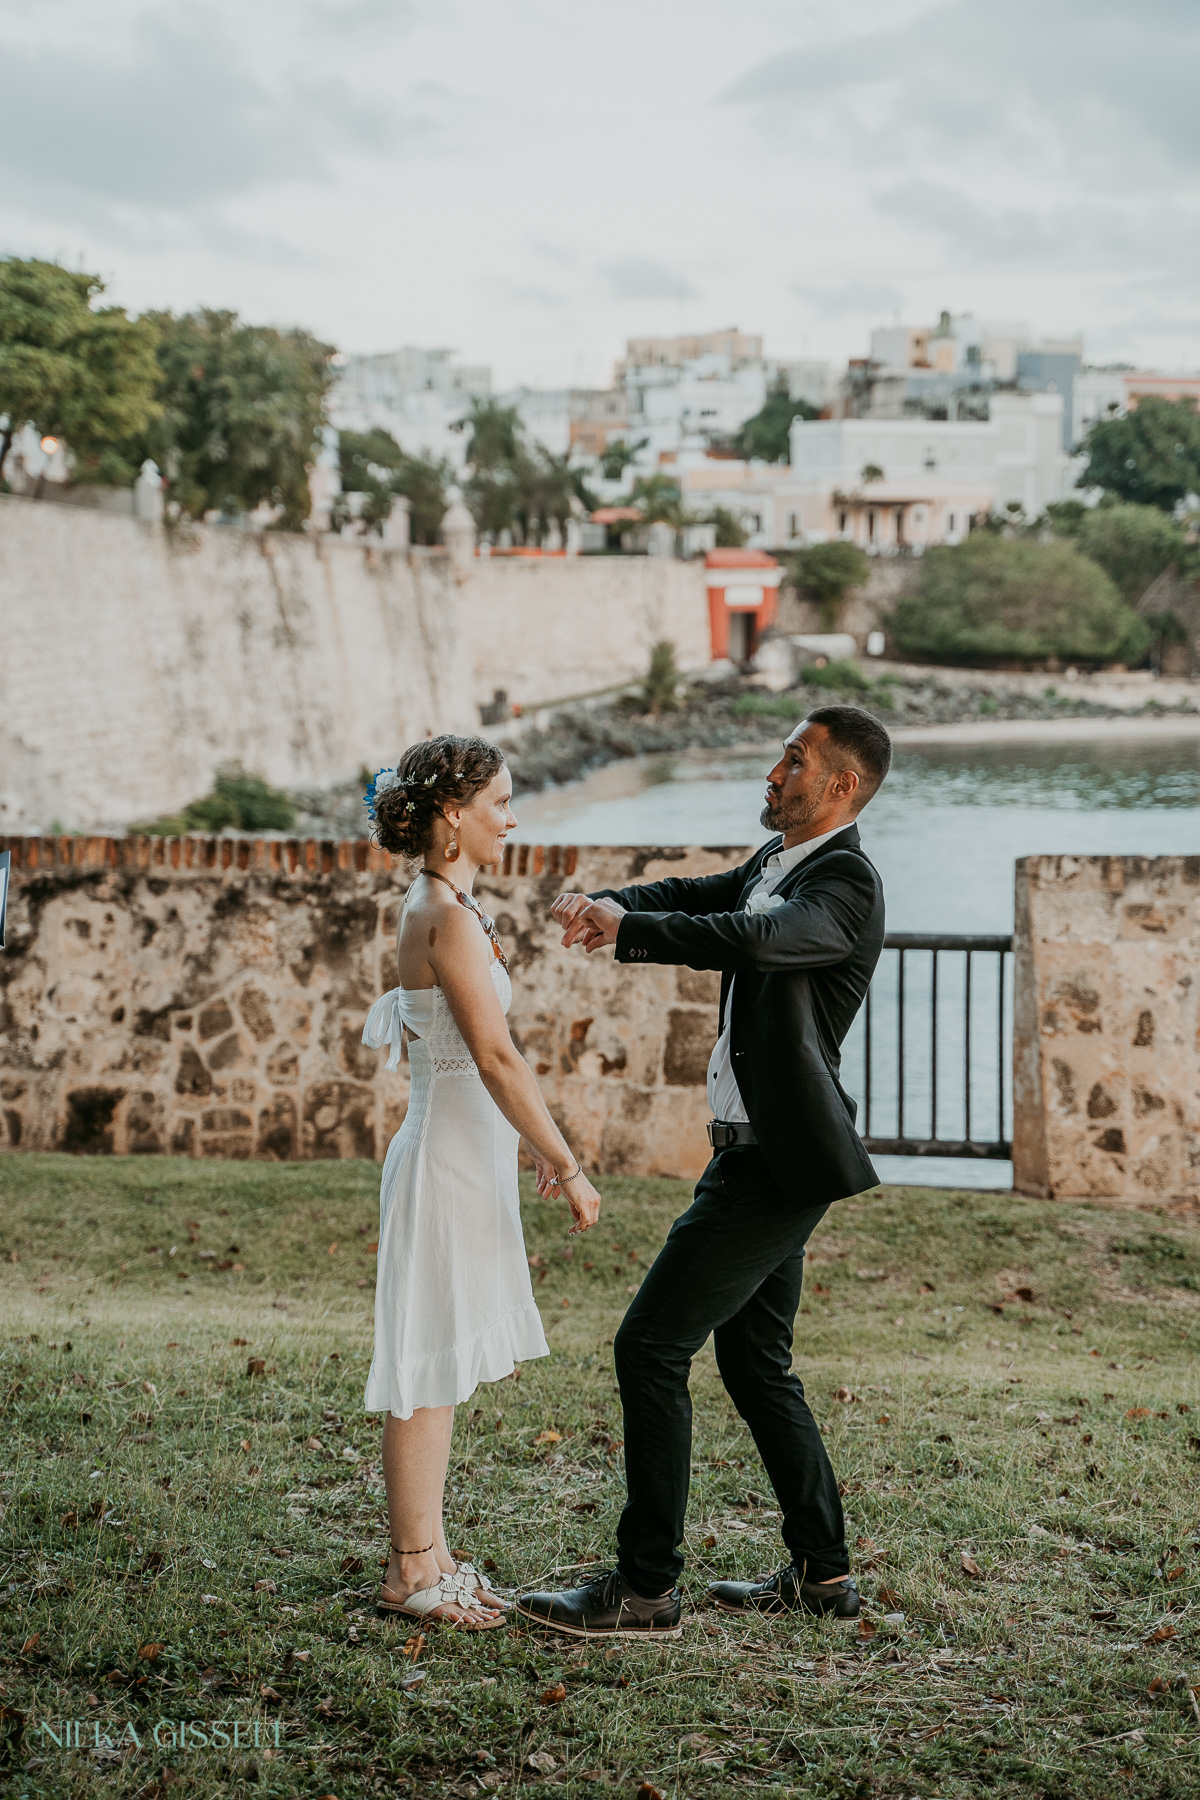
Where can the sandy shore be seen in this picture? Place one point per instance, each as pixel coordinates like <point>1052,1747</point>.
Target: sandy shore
<point>1048,731</point>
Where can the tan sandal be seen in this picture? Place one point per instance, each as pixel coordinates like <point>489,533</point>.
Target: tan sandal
<point>426,1603</point>
<point>481,1585</point>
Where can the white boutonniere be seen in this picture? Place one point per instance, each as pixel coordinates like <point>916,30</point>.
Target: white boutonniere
<point>762,902</point>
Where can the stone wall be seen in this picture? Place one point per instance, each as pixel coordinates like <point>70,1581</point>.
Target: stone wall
<point>136,659</point>
<point>206,996</point>
<point>1107,1024</point>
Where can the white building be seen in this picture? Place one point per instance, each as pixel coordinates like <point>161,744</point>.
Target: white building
<point>419,396</point>
<point>693,393</point>
<point>893,484</point>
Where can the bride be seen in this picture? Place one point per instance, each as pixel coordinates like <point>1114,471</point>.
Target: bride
<point>453,1301</point>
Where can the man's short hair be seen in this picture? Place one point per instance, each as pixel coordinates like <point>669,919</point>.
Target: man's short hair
<point>857,741</point>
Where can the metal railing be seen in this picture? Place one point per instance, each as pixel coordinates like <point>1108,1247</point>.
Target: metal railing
<point>936,1045</point>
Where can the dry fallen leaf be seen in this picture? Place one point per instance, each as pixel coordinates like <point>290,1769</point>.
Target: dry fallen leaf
<point>30,1643</point>
<point>266,1586</point>
<point>351,1565</point>
<point>554,1696</point>
<point>970,1566</point>
<point>648,1791</point>
<point>1138,1412</point>
<point>1157,1686</point>
<point>313,1443</point>
<point>889,1599</point>
<point>1161,1635</point>
<point>256,1366</point>
<point>332,1250</point>
<point>549,1437</point>
<point>543,1761</point>
<point>239,1343</point>
<point>710,1542</point>
<point>844,1394</point>
<point>269,1693</point>
<point>149,1652</point>
<point>413,1646</point>
<point>866,1630</point>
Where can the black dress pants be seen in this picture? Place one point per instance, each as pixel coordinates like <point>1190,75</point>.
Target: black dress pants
<point>732,1265</point>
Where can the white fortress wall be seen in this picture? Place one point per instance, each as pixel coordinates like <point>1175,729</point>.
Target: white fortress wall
<point>135,659</point>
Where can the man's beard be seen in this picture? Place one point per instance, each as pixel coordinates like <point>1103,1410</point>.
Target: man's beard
<point>790,816</point>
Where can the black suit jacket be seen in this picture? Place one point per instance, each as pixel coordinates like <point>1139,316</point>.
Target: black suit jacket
<point>802,971</point>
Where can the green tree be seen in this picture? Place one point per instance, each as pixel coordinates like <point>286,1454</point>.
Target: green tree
<point>731,533</point>
<point>71,369</point>
<point>372,463</point>
<point>1013,599</point>
<point>767,435</point>
<point>659,498</point>
<point>1150,457</point>
<point>1132,544</point>
<point>243,409</point>
<point>514,485</point>
<point>827,572</point>
<point>617,456</point>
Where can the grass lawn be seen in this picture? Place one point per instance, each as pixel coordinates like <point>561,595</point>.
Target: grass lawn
<point>192,1517</point>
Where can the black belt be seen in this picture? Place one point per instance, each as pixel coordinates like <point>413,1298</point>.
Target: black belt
<point>723,1136</point>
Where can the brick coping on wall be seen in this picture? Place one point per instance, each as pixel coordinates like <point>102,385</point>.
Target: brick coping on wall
<point>275,856</point>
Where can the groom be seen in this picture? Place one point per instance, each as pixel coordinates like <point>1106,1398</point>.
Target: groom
<point>796,932</point>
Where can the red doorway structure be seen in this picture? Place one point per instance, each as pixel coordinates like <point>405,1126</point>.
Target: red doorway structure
<point>743,596</point>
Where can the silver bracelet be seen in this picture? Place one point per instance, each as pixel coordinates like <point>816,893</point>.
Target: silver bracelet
<point>563,1179</point>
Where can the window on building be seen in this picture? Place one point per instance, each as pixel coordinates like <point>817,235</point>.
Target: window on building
<point>842,522</point>
<point>793,529</point>
<point>871,526</point>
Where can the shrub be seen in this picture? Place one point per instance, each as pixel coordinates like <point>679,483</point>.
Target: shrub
<point>842,674</point>
<point>1132,544</point>
<point>827,572</point>
<point>1011,599</point>
<point>660,691</point>
<point>238,802</point>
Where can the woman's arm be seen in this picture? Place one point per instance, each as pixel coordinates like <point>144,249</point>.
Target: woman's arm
<point>461,959</point>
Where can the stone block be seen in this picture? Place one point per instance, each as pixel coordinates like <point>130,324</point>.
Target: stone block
<point>1106,1045</point>
<point>689,1046</point>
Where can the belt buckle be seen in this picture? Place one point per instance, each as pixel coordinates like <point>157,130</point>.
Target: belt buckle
<point>721,1136</point>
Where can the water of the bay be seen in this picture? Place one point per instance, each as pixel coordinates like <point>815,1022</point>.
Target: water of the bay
<point>944,832</point>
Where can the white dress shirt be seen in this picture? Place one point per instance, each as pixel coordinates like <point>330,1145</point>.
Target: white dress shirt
<point>724,1096</point>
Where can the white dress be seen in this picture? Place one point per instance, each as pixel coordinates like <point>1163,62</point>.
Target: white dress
<point>453,1300</point>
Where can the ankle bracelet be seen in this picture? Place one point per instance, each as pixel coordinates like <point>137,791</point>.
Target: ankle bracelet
<point>399,1552</point>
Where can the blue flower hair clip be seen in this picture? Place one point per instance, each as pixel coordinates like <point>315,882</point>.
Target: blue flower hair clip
<point>381,783</point>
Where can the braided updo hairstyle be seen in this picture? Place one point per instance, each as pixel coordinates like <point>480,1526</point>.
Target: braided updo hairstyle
<point>443,771</point>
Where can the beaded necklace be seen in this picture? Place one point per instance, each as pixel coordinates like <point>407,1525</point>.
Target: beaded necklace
<point>465,899</point>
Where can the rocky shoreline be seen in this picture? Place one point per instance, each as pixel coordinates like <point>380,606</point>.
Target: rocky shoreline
<point>720,715</point>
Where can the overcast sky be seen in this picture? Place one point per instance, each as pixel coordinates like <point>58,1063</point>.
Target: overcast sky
<point>531,181</point>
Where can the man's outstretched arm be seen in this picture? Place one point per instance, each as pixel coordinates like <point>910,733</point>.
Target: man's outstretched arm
<point>815,929</point>
<point>701,894</point>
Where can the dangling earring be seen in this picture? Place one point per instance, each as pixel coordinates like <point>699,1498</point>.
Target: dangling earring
<point>452,850</point>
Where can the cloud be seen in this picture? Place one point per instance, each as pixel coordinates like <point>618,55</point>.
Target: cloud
<point>869,298</point>
<point>1077,85</point>
<point>172,118</point>
<point>641,278</point>
<point>529,294</point>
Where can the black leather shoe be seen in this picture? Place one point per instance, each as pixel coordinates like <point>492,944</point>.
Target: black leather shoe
<point>786,1591</point>
<point>604,1607</point>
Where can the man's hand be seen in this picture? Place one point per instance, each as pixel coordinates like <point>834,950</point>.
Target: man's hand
<point>592,923</point>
